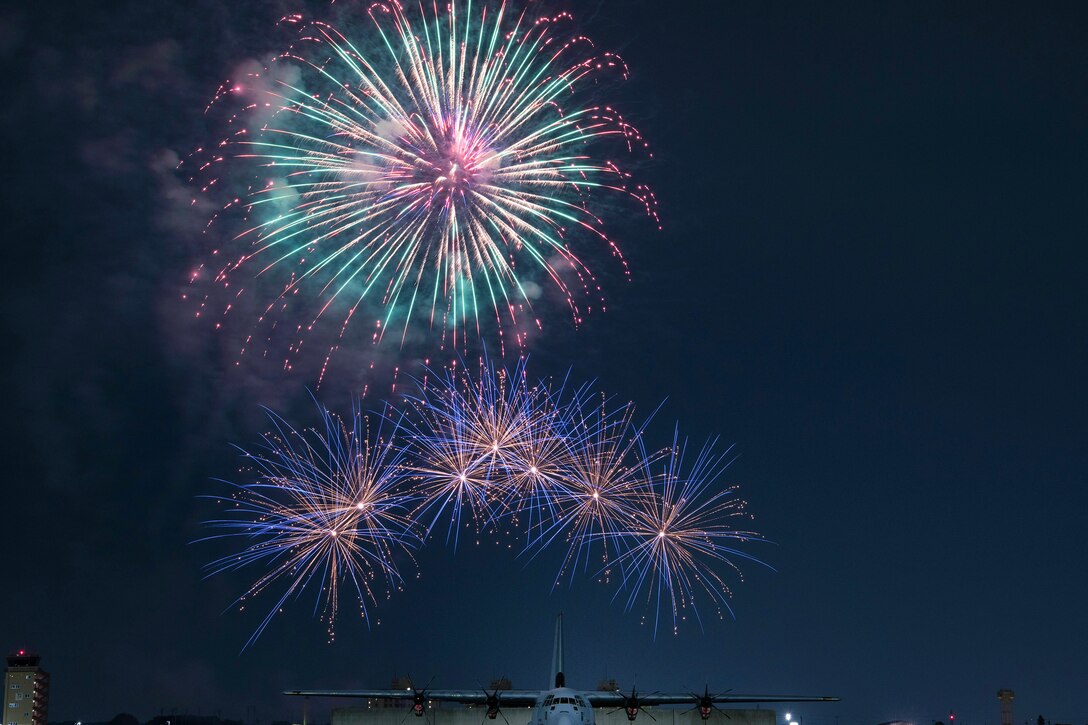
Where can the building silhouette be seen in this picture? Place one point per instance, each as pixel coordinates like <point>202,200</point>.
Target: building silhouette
<point>1005,696</point>
<point>26,691</point>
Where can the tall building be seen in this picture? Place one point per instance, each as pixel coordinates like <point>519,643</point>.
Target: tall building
<point>1005,696</point>
<point>26,691</point>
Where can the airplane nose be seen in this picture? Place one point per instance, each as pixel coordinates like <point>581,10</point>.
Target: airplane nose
<point>564,719</point>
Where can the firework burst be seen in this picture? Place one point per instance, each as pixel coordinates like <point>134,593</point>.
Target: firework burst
<point>452,476</point>
<point>681,535</point>
<point>471,435</point>
<point>326,511</point>
<point>606,479</point>
<point>535,469</point>
<point>443,171</point>
<point>489,453</point>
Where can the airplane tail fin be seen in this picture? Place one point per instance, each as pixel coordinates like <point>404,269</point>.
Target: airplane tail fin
<point>557,653</point>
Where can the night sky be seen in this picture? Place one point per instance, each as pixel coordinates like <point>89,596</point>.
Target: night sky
<point>870,279</point>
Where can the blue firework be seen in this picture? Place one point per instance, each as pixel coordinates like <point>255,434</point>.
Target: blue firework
<point>326,511</point>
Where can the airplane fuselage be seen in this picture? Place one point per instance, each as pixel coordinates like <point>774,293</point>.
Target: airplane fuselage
<point>562,706</point>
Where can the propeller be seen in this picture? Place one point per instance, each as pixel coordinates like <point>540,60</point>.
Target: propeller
<point>704,703</point>
<point>631,706</point>
<point>493,706</point>
<point>419,701</point>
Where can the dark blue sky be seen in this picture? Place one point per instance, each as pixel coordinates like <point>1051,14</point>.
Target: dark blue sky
<point>871,279</point>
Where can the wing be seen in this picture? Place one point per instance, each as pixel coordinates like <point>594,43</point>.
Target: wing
<point>508,698</point>
<point>606,698</point>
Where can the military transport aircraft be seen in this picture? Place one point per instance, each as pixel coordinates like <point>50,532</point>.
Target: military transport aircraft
<point>560,705</point>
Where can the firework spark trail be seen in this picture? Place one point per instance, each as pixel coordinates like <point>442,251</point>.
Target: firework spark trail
<point>327,509</point>
<point>539,458</point>
<point>680,534</point>
<point>491,452</point>
<point>440,175</point>
<point>451,474</point>
<point>478,439</point>
<point>606,474</point>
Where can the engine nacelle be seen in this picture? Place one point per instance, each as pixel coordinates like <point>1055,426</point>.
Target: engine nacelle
<point>631,706</point>
<point>492,704</point>
<point>705,703</point>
